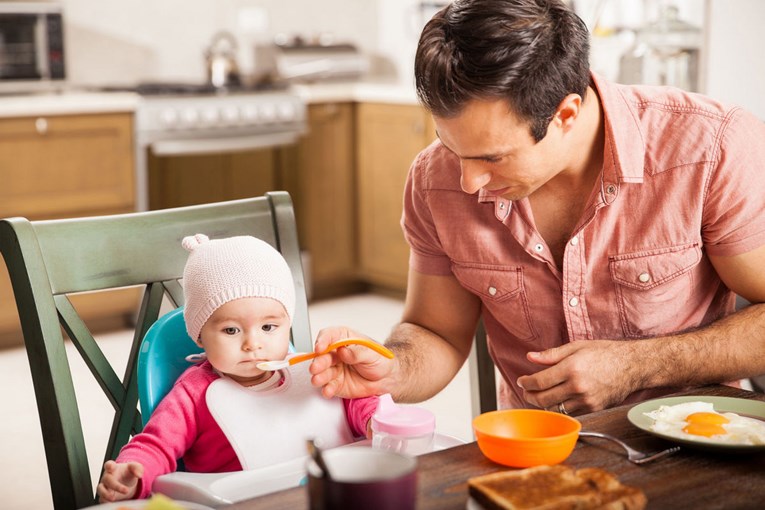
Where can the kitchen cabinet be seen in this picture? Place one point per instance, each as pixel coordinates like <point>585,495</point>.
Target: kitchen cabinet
<point>66,166</point>
<point>388,138</point>
<point>198,179</point>
<point>319,173</point>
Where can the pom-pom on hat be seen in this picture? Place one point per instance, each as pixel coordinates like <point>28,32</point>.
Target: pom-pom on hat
<point>221,270</point>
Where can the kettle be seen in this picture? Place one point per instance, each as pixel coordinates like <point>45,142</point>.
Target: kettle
<point>222,69</point>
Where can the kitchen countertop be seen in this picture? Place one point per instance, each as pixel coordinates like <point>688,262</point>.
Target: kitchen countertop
<point>67,103</point>
<point>79,102</point>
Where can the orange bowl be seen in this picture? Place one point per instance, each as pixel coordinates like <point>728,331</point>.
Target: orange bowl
<point>526,437</point>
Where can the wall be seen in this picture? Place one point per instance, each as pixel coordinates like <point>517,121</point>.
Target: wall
<point>735,66</point>
<point>118,41</point>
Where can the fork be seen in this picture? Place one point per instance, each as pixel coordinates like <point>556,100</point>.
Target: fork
<point>633,455</point>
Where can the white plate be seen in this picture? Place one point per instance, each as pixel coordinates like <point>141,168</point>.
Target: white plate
<point>744,407</point>
<point>141,504</point>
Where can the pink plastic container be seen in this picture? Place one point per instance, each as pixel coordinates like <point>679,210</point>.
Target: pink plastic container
<point>403,429</point>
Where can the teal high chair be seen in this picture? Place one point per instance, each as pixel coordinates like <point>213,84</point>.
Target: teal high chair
<point>162,359</point>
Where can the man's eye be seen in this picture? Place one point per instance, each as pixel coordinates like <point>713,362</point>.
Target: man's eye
<point>231,331</point>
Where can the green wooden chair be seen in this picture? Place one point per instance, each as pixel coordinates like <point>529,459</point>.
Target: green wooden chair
<point>483,383</point>
<point>49,259</point>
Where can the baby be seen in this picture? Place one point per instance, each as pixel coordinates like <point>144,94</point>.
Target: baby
<point>225,414</point>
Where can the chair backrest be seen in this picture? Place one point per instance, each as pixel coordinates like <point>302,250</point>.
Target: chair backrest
<point>47,260</point>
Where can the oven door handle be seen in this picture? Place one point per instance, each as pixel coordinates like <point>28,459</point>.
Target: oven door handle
<point>221,145</point>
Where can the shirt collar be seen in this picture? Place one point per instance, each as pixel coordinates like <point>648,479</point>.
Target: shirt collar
<point>623,134</point>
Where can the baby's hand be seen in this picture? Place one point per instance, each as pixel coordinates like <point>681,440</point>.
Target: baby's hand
<point>119,481</point>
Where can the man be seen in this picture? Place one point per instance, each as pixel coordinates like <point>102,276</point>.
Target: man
<point>599,229</point>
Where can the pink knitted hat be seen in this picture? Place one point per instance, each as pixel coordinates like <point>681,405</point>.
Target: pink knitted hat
<point>221,270</point>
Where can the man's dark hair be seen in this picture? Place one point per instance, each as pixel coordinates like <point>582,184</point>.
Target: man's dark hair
<point>532,53</point>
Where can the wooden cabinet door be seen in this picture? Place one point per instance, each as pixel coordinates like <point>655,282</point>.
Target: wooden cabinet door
<point>319,174</point>
<point>389,137</point>
<point>178,181</point>
<point>64,166</point>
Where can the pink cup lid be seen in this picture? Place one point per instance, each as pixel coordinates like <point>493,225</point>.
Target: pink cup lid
<point>402,420</point>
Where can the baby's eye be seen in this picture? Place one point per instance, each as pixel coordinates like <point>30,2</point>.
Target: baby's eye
<point>493,161</point>
<point>269,327</point>
<point>231,330</point>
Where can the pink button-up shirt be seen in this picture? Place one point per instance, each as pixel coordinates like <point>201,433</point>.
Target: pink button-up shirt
<point>683,177</point>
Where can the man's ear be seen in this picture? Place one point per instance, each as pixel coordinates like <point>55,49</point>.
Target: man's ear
<point>568,111</point>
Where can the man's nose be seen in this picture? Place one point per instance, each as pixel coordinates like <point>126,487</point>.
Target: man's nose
<point>474,176</point>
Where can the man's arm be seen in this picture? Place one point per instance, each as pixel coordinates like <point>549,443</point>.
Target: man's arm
<point>434,337</point>
<point>592,375</point>
<point>430,344</point>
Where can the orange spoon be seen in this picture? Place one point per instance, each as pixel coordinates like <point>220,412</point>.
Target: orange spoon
<point>279,364</point>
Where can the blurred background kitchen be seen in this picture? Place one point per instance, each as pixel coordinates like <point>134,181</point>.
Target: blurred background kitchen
<point>115,106</point>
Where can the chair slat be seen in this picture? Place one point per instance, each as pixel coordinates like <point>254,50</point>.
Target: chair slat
<point>174,292</point>
<point>91,353</point>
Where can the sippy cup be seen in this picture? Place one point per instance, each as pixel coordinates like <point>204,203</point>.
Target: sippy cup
<point>404,429</point>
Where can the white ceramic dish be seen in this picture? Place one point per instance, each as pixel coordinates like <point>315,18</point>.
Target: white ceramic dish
<point>220,489</point>
<point>742,406</point>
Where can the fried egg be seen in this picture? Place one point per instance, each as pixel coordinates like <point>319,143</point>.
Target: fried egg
<point>698,421</point>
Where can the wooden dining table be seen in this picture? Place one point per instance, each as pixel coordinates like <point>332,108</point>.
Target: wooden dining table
<point>690,478</point>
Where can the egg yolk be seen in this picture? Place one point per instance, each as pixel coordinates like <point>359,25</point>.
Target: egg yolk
<point>705,424</point>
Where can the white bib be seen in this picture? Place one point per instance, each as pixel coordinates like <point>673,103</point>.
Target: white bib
<point>268,423</point>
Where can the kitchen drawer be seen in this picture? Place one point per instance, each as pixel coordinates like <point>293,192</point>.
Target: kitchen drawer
<point>64,166</point>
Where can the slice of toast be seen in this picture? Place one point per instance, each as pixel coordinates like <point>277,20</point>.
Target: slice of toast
<point>554,488</point>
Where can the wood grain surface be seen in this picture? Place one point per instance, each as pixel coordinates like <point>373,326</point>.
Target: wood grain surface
<point>687,479</point>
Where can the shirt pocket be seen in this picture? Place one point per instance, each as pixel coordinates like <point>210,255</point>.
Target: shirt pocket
<point>503,295</point>
<point>650,285</point>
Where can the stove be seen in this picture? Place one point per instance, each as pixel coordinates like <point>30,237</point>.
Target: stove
<point>181,119</point>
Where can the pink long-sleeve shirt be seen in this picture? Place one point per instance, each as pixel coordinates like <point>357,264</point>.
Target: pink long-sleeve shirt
<point>183,427</point>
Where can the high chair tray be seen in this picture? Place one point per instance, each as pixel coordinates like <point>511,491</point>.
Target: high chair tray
<point>220,489</point>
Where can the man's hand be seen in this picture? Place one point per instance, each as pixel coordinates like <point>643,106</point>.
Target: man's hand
<point>585,376</point>
<point>119,481</point>
<point>350,372</point>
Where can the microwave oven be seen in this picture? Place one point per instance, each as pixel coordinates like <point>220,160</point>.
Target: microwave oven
<point>31,46</point>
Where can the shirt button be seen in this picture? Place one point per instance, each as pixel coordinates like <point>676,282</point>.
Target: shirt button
<point>538,248</point>
<point>575,241</point>
<point>492,290</point>
<point>644,277</point>
<point>573,301</point>
<point>610,189</point>
<point>501,205</point>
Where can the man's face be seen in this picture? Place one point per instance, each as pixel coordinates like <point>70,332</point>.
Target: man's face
<point>497,152</point>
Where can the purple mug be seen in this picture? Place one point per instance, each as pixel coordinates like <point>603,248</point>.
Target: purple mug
<point>363,478</point>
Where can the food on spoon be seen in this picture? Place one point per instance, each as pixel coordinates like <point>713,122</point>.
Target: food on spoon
<point>698,421</point>
<point>552,487</point>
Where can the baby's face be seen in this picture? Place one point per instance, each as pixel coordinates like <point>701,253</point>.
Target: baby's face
<point>244,332</point>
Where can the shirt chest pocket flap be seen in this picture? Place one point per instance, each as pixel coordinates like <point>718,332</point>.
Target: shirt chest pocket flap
<point>650,269</point>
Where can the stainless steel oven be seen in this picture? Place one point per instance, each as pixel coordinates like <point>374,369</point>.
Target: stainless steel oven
<point>187,120</point>
<point>31,46</point>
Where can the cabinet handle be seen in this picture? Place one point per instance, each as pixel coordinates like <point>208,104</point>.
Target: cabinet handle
<point>41,125</point>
